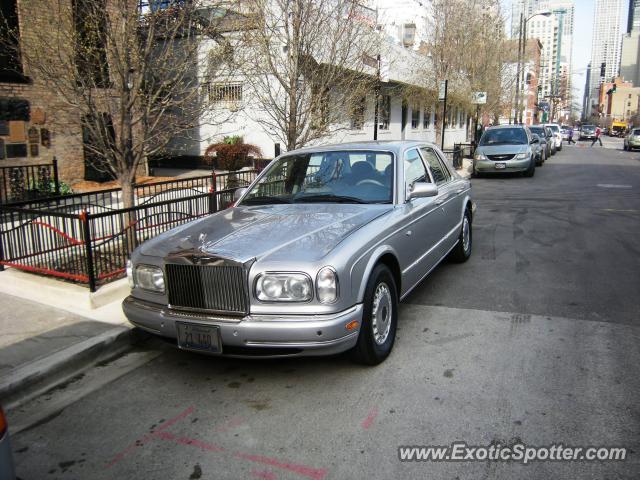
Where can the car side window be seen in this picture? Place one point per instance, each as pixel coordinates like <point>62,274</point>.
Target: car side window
<point>414,169</point>
<point>438,169</point>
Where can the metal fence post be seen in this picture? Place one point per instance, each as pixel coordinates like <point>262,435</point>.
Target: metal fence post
<point>86,229</point>
<point>56,180</point>
<point>1,250</point>
<point>212,193</point>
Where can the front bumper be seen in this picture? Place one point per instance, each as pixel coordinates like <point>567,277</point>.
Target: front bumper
<point>489,166</point>
<point>257,335</point>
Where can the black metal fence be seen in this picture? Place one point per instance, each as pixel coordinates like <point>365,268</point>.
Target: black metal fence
<point>26,182</point>
<point>87,238</point>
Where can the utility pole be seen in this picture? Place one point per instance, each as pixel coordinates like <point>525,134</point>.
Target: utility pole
<point>377,100</point>
<point>444,86</point>
<point>517,102</point>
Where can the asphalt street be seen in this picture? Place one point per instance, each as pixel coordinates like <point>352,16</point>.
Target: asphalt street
<point>536,339</point>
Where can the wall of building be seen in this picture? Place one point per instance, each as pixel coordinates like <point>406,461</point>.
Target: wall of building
<point>47,111</point>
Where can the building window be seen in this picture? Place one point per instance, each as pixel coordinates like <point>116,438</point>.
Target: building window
<point>415,118</point>
<point>10,62</point>
<point>90,21</point>
<point>384,112</point>
<point>225,92</point>
<point>357,113</point>
<point>426,119</point>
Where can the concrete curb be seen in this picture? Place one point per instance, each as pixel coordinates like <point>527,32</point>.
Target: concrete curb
<point>35,378</point>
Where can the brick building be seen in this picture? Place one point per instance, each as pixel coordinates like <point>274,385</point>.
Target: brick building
<point>35,123</point>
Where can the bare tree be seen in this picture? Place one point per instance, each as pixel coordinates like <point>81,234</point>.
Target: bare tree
<point>467,46</point>
<point>127,70</point>
<point>307,66</point>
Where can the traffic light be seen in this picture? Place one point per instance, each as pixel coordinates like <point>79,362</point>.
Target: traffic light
<point>613,89</point>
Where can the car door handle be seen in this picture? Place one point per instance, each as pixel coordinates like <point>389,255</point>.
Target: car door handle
<point>460,190</point>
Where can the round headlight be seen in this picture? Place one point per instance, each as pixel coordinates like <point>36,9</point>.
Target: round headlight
<point>272,287</point>
<point>283,287</point>
<point>327,285</point>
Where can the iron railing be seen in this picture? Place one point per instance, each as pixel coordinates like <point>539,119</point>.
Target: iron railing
<point>87,238</point>
<point>27,182</point>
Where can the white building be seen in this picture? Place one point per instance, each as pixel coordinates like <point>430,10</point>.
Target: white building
<point>606,48</point>
<point>398,118</point>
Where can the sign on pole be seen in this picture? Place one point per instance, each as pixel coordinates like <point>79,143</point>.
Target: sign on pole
<point>442,93</point>
<point>479,98</point>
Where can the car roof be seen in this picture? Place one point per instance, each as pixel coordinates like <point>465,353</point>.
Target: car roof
<point>395,146</point>
<point>500,127</point>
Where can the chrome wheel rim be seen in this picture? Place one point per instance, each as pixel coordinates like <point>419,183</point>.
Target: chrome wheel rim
<point>381,313</point>
<point>466,235</point>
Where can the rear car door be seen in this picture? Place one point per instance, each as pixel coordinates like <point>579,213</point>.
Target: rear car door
<point>423,225</point>
<point>451,190</point>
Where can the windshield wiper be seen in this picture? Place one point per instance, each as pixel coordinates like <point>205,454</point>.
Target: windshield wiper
<point>264,200</point>
<point>329,198</point>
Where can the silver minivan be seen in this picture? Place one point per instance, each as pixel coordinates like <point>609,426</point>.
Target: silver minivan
<point>506,148</point>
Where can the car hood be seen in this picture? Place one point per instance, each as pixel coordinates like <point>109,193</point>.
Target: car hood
<point>501,149</point>
<point>276,232</point>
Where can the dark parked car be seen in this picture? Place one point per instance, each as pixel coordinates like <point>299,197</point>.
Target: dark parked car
<point>545,144</point>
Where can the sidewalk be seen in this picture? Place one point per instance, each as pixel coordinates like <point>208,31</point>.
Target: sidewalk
<point>45,342</point>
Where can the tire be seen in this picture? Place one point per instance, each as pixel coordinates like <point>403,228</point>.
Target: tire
<point>377,335</point>
<point>531,171</point>
<point>462,251</point>
<point>539,161</point>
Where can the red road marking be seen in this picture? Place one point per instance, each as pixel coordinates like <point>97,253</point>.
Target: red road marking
<point>160,433</point>
<point>367,422</point>
<point>264,474</point>
<point>141,441</point>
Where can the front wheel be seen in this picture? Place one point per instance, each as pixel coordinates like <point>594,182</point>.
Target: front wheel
<point>531,171</point>
<point>462,251</point>
<point>379,319</point>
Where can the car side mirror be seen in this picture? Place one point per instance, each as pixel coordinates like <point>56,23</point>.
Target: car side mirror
<point>535,139</point>
<point>423,190</point>
<point>239,193</point>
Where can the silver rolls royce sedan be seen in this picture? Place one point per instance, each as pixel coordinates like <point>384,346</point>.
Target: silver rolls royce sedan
<point>312,259</point>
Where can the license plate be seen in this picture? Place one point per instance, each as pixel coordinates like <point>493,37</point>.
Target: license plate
<point>501,165</point>
<point>201,338</point>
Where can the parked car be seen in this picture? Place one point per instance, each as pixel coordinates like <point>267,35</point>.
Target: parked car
<point>564,130</point>
<point>505,148</point>
<point>545,144</point>
<point>632,140</point>
<point>312,259</point>
<point>7,471</point>
<point>555,128</point>
<point>551,139</point>
<point>587,132</point>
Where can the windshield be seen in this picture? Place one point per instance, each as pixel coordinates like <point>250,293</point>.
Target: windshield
<point>588,128</point>
<point>326,177</point>
<point>538,131</point>
<point>504,136</point>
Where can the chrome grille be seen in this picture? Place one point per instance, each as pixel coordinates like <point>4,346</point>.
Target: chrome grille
<point>506,156</point>
<point>207,287</point>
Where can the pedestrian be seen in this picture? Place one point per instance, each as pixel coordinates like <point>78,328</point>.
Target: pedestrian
<point>570,139</point>
<point>597,139</point>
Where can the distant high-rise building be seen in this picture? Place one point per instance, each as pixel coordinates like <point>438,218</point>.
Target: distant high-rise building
<point>633,19</point>
<point>606,47</point>
<point>555,33</point>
